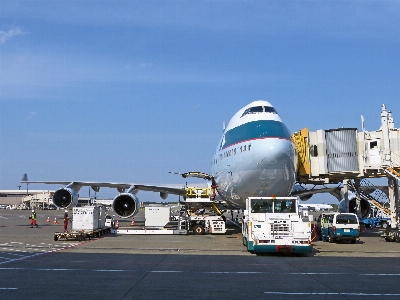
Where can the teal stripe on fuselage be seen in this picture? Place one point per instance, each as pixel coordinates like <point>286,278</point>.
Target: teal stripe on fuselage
<point>256,130</point>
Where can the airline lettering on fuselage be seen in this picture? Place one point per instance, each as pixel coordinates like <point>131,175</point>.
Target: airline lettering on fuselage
<point>234,151</point>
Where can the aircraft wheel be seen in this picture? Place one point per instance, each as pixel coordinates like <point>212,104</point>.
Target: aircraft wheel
<point>56,238</point>
<point>198,230</point>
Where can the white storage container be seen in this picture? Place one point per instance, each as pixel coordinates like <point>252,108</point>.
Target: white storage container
<point>88,218</point>
<point>157,216</point>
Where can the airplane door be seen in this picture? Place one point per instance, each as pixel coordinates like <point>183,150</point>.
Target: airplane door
<point>373,153</point>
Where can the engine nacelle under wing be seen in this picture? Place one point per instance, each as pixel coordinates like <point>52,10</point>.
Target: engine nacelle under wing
<point>65,197</point>
<point>306,197</point>
<point>125,205</point>
<point>365,207</point>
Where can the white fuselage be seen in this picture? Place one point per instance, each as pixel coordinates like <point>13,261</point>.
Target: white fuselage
<point>255,157</point>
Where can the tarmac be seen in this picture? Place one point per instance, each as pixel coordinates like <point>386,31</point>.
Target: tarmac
<point>34,266</point>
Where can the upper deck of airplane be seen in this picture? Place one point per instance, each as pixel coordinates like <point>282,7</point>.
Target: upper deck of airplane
<point>256,110</point>
<point>256,120</point>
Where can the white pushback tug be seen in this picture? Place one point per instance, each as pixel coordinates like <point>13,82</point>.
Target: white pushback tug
<point>273,224</point>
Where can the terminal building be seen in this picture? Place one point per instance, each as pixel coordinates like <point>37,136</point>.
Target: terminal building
<point>19,199</point>
<point>40,199</point>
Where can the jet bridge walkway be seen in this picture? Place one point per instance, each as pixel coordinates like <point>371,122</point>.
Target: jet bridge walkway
<point>345,154</point>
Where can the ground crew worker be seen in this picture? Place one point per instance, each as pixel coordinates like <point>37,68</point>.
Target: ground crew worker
<point>388,229</point>
<point>66,220</point>
<point>33,219</point>
<point>322,227</point>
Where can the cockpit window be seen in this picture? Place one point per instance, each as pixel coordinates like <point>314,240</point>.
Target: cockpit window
<point>270,109</point>
<point>259,109</point>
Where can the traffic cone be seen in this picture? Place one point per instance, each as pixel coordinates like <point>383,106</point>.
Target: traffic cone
<point>133,222</point>
<point>48,219</point>
<point>55,221</point>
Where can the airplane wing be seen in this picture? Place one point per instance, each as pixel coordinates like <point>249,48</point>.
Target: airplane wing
<point>175,189</point>
<point>305,194</point>
<point>121,187</point>
<point>125,204</point>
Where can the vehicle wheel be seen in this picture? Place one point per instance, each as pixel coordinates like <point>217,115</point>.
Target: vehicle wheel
<point>384,225</point>
<point>330,240</point>
<point>56,238</point>
<point>198,229</point>
<point>353,241</point>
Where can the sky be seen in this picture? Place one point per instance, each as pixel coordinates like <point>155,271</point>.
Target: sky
<point>127,91</point>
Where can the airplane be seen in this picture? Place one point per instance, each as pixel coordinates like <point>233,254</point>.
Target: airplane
<point>316,207</point>
<point>254,157</point>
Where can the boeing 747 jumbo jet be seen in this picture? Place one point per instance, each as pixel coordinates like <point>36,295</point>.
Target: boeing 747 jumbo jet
<point>255,157</point>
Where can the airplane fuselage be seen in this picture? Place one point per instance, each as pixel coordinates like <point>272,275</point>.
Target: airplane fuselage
<point>255,157</point>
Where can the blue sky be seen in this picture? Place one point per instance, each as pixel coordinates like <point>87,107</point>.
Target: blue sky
<point>126,91</point>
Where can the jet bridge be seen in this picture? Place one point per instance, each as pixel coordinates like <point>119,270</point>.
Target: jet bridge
<point>343,154</point>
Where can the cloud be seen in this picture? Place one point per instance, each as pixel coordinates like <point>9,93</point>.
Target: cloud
<point>6,35</point>
<point>31,116</point>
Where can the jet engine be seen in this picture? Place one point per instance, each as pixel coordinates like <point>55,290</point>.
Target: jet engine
<point>125,205</point>
<point>65,197</point>
<point>364,207</point>
<point>297,191</point>
<point>306,197</point>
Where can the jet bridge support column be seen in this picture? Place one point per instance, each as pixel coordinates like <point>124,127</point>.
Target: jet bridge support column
<point>393,186</point>
<point>346,194</point>
<point>358,198</point>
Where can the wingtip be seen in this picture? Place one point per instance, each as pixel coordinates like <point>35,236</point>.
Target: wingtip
<point>24,178</point>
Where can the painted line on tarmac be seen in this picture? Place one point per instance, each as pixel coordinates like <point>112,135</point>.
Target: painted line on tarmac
<point>180,271</point>
<point>330,293</point>
<point>8,288</point>
<point>21,258</point>
<point>42,250</point>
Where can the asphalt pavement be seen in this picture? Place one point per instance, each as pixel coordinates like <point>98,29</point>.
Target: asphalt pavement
<point>34,266</point>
